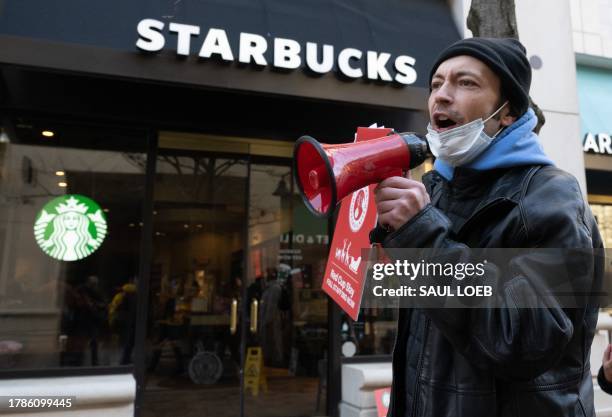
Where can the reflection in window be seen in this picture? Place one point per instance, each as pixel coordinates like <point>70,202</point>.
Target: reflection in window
<point>373,333</point>
<point>70,298</point>
<point>287,253</point>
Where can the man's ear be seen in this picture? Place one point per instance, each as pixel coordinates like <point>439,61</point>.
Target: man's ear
<point>506,119</point>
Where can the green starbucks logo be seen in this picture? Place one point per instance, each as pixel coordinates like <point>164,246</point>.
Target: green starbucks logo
<point>70,227</point>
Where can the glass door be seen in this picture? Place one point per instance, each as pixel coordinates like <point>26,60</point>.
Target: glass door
<point>194,333</point>
<point>237,320</point>
<point>285,368</point>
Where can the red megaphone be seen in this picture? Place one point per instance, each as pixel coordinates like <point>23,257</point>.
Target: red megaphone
<point>325,174</point>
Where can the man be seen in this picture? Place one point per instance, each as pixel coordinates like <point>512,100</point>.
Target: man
<point>492,187</point>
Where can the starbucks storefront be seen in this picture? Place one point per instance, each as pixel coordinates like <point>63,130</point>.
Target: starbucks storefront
<point>233,274</point>
<point>156,257</point>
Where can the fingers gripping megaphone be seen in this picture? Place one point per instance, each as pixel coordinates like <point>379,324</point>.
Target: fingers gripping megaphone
<point>325,174</point>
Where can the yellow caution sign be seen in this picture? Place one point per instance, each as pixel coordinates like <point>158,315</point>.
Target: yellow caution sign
<point>254,376</point>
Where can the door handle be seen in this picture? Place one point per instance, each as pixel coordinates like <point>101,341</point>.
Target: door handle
<point>234,316</point>
<point>254,308</point>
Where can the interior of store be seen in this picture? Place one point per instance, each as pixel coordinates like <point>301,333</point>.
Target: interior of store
<point>208,300</point>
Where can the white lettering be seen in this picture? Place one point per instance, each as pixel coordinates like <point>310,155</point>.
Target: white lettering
<point>327,62</point>
<point>151,38</point>
<point>475,291</point>
<point>604,143</point>
<point>406,74</point>
<point>416,270</point>
<point>377,273</point>
<point>376,66</point>
<point>287,53</point>
<point>252,47</point>
<point>590,144</point>
<point>216,42</point>
<point>184,33</point>
<point>344,58</point>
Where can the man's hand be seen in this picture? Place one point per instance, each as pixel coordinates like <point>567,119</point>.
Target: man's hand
<point>398,200</point>
<point>607,363</point>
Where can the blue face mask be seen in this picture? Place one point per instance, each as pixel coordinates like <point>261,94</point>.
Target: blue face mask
<point>461,145</point>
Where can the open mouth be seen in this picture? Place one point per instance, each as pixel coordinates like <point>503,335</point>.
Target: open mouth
<point>443,122</point>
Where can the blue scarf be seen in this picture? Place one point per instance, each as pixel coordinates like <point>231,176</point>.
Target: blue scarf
<point>516,145</point>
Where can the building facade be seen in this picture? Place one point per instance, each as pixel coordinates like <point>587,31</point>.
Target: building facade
<point>592,40</point>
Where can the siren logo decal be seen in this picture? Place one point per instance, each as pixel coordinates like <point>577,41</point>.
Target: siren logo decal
<point>359,208</point>
<point>70,227</point>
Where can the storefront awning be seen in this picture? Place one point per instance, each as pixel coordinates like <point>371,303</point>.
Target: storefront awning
<point>100,38</point>
<point>594,92</point>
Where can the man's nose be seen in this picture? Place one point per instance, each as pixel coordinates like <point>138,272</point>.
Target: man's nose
<point>443,94</point>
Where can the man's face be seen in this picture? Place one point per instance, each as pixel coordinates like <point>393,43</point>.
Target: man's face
<point>464,89</point>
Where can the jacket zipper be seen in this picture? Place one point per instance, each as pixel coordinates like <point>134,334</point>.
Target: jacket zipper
<point>397,337</point>
<point>415,403</point>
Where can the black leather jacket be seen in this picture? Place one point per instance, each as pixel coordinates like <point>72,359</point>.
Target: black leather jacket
<point>502,362</point>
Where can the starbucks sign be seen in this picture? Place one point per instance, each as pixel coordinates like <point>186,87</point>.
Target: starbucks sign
<point>70,227</point>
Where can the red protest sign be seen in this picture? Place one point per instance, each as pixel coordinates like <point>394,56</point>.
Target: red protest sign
<point>345,271</point>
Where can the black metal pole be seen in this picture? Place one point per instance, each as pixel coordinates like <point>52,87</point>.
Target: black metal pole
<point>146,254</point>
<point>334,375</point>
<point>244,309</point>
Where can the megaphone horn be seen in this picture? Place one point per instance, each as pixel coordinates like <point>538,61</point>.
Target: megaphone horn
<point>325,174</point>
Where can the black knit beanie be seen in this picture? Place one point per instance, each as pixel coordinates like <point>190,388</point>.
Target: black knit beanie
<point>506,57</point>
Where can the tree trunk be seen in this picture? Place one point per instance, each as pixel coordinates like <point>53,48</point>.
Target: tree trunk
<point>497,19</point>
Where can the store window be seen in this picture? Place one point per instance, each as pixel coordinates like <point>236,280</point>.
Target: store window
<point>288,251</point>
<point>603,215</point>
<point>193,339</point>
<point>70,225</point>
<point>237,268</point>
<point>373,333</point>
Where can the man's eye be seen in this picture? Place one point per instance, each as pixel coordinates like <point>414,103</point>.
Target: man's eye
<point>435,86</point>
<point>467,83</point>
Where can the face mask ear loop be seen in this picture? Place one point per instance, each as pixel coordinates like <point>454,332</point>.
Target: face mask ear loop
<point>496,111</point>
<point>497,133</point>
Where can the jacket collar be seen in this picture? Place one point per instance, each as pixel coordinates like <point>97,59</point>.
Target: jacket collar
<point>503,182</point>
